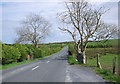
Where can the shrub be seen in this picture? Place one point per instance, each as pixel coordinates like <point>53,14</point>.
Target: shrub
<point>29,48</point>
<point>37,53</point>
<point>22,50</point>
<point>10,54</point>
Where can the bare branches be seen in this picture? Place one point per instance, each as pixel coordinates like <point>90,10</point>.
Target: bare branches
<point>85,20</point>
<point>34,28</point>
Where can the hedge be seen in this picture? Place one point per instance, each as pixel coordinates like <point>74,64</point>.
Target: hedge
<point>10,54</point>
<point>22,50</point>
<point>18,52</point>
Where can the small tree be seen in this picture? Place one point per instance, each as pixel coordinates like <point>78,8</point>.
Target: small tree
<point>83,22</point>
<point>34,29</point>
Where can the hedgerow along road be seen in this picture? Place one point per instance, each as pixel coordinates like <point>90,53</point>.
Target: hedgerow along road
<point>51,69</point>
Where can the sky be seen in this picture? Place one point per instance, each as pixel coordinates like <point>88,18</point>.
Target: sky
<point>13,12</point>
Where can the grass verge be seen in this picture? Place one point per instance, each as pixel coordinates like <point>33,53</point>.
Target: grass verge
<point>108,75</point>
<point>106,62</point>
<point>23,62</point>
<point>71,60</point>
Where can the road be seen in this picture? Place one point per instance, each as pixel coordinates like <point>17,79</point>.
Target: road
<point>51,69</point>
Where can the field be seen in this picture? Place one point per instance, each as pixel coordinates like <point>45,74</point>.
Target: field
<point>107,52</point>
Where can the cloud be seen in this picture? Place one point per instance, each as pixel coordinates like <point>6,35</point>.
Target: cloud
<point>14,12</point>
<point>111,16</point>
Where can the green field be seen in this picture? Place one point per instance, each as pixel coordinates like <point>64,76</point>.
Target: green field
<point>105,60</point>
<point>107,53</point>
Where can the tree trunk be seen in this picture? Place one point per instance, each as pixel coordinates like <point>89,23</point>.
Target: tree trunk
<point>36,45</point>
<point>84,58</point>
<point>79,54</point>
<point>81,57</point>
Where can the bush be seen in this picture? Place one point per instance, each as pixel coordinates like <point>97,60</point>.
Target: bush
<point>45,51</point>
<point>37,53</point>
<point>10,54</point>
<point>22,50</point>
<point>18,52</point>
<point>29,48</point>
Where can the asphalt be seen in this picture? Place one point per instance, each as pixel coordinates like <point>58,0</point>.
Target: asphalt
<point>51,69</point>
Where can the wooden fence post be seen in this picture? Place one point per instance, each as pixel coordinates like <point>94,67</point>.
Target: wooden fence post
<point>98,63</point>
<point>114,63</point>
<point>98,60</point>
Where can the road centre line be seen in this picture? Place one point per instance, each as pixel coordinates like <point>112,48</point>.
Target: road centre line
<point>35,67</point>
<point>47,61</point>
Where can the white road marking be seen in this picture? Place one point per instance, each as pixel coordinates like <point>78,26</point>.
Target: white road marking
<point>47,61</point>
<point>68,78</point>
<point>35,67</point>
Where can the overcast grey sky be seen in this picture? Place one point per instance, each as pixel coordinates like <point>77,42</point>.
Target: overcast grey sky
<point>14,12</point>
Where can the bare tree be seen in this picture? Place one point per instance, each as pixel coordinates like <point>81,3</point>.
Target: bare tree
<point>82,23</point>
<point>34,28</point>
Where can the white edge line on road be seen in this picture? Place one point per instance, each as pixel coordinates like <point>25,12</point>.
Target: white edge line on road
<point>35,67</point>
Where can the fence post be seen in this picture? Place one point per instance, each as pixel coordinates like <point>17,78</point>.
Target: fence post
<point>98,63</point>
<point>114,63</point>
<point>98,60</point>
<point>28,57</point>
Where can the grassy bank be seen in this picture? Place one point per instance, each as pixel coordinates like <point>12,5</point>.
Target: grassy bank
<point>19,63</point>
<point>108,75</point>
<point>23,62</point>
<point>72,60</point>
<point>107,53</point>
<point>106,63</point>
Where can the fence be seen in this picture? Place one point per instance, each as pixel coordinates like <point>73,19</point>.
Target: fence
<point>110,63</point>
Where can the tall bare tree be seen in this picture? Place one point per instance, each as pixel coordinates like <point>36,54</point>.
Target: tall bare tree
<point>34,29</point>
<point>83,22</point>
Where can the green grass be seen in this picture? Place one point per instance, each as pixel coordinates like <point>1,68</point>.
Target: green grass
<point>108,75</point>
<point>71,60</point>
<point>109,43</point>
<point>105,60</point>
<point>23,62</point>
<point>103,44</point>
<point>106,63</point>
<point>107,51</point>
